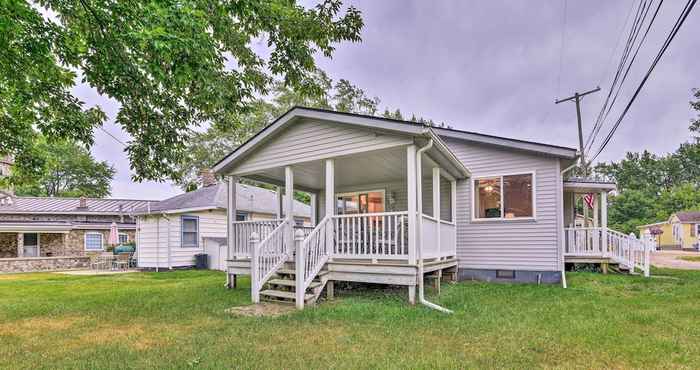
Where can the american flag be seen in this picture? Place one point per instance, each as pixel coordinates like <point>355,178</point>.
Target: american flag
<point>589,199</point>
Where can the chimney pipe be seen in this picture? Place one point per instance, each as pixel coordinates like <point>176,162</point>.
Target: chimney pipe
<point>83,203</point>
<point>207,177</point>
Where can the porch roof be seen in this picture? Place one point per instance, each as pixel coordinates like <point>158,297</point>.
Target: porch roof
<point>439,151</point>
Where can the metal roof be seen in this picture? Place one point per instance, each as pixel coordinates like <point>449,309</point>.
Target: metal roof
<point>249,198</point>
<point>51,205</point>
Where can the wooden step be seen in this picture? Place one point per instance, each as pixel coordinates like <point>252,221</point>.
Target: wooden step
<point>291,283</point>
<point>286,271</point>
<point>281,294</point>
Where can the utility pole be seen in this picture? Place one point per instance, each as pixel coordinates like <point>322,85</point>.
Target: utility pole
<point>577,98</point>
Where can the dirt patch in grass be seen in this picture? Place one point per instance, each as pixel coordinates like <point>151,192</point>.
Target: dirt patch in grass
<point>28,327</point>
<point>689,258</point>
<point>264,309</point>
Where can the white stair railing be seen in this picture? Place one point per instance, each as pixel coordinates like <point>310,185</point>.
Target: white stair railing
<point>242,231</point>
<point>628,250</point>
<point>311,255</point>
<point>267,256</point>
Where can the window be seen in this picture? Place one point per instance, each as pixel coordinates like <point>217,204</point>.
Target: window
<point>677,233</point>
<point>93,241</point>
<point>123,238</point>
<point>505,274</point>
<point>190,231</point>
<point>240,216</point>
<point>360,202</point>
<point>504,197</point>
<point>694,229</point>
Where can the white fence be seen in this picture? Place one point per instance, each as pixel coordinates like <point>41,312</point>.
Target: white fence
<point>627,250</point>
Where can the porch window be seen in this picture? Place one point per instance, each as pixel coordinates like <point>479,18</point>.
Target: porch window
<point>93,241</point>
<point>361,202</point>
<point>504,197</point>
<point>190,231</point>
<point>123,238</point>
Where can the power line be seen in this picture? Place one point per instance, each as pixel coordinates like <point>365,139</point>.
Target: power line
<point>112,136</point>
<point>617,43</point>
<point>640,17</point>
<point>634,57</point>
<point>674,31</point>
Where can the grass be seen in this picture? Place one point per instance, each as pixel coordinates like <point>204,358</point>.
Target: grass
<point>178,320</point>
<point>690,258</point>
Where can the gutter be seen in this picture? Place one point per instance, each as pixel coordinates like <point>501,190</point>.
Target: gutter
<point>419,237</point>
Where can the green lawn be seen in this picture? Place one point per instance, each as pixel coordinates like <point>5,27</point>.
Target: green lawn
<point>177,320</point>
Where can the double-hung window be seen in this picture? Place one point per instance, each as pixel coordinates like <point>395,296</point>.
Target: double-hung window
<point>123,238</point>
<point>190,231</point>
<point>93,241</point>
<point>504,197</point>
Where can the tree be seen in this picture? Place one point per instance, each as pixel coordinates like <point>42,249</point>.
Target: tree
<point>62,169</point>
<point>171,66</point>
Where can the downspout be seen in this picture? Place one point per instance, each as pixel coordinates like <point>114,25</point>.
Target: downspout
<point>419,237</point>
<point>563,265</point>
<point>170,264</point>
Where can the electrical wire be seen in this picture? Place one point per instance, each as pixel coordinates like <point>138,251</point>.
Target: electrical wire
<point>674,31</point>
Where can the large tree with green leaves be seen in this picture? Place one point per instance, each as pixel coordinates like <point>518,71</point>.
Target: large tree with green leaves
<point>171,66</point>
<point>61,169</point>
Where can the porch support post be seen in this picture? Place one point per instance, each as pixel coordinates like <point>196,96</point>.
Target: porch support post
<point>604,220</point>
<point>436,206</point>
<point>280,213</point>
<point>453,199</point>
<point>412,203</point>
<point>330,201</point>
<point>20,245</point>
<point>231,215</point>
<point>289,200</point>
<point>314,209</point>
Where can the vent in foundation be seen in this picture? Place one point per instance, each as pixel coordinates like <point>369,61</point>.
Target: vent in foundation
<point>505,274</point>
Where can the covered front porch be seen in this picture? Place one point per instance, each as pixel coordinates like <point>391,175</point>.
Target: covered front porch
<point>587,238</point>
<point>379,216</point>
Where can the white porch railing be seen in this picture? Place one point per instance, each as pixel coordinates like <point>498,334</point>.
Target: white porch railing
<point>371,235</point>
<point>627,250</point>
<point>267,256</point>
<point>311,254</point>
<point>242,230</point>
<point>439,238</point>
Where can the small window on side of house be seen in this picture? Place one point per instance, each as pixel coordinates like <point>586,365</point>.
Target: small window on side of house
<point>190,231</point>
<point>93,241</point>
<point>505,274</point>
<point>123,238</point>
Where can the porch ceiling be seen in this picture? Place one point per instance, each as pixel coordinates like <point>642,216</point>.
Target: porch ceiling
<point>379,166</point>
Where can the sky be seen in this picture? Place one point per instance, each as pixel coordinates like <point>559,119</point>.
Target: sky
<point>497,67</point>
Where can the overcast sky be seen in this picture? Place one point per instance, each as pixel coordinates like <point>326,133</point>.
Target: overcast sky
<point>494,67</point>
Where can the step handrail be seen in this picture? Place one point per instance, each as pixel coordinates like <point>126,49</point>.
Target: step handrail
<point>312,254</point>
<point>267,257</point>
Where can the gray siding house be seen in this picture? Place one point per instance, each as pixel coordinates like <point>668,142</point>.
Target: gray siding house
<point>399,201</point>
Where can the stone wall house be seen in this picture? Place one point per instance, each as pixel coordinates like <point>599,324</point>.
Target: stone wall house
<point>45,227</point>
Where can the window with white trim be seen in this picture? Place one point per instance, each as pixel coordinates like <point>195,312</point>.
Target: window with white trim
<point>123,238</point>
<point>504,197</point>
<point>93,242</point>
<point>190,231</point>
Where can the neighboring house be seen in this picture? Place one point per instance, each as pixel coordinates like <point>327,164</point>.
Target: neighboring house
<point>174,230</point>
<point>62,227</point>
<point>680,231</point>
<point>665,240</point>
<point>397,200</point>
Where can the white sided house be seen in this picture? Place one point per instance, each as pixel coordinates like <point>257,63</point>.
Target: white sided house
<point>399,201</point>
<point>172,231</point>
